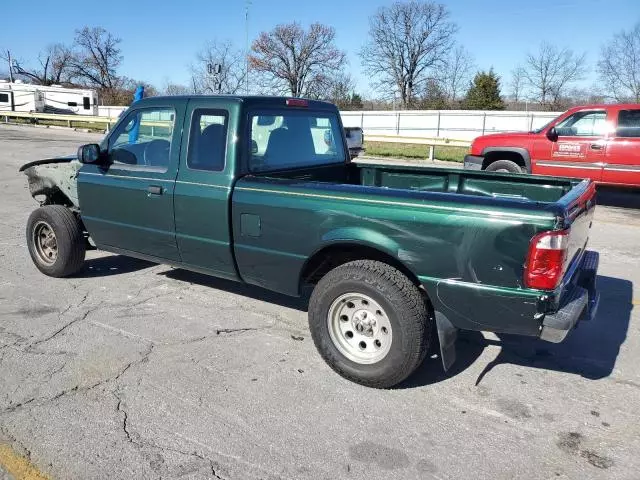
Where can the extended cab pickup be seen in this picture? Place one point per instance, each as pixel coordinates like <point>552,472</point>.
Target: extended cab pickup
<point>600,142</point>
<point>255,190</point>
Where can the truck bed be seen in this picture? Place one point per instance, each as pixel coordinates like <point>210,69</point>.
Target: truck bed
<point>531,188</point>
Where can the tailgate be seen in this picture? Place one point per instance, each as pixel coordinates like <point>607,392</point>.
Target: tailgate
<point>579,204</point>
<point>576,297</point>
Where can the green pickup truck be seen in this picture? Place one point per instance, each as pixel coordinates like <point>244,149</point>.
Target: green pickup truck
<point>262,190</point>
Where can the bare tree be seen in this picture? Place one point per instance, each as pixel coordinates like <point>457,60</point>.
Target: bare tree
<point>455,77</point>
<point>619,65</point>
<point>551,70</point>
<point>517,84</point>
<point>123,90</point>
<point>171,88</point>
<point>232,74</point>
<point>299,62</point>
<point>406,41</point>
<point>53,66</point>
<point>340,91</point>
<point>97,57</point>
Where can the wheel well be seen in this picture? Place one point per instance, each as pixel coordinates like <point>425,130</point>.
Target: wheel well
<point>515,157</point>
<point>333,256</point>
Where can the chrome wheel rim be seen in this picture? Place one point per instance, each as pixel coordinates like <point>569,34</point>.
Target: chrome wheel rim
<point>45,243</point>
<point>359,328</point>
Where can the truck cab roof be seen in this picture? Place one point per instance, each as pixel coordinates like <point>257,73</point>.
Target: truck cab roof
<point>247,100</point>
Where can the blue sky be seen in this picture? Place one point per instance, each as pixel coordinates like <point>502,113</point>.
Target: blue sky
<point>161,39</point>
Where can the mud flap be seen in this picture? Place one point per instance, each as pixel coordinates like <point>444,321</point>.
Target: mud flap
<point>447,335</point>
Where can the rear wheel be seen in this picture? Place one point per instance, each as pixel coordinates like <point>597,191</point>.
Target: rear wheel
<point>370,323</point>
<point>504,166</point>
<point>55,241</point>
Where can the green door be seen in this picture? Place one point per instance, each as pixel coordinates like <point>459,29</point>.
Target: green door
<point>127,204</point>
<point>203,186</point>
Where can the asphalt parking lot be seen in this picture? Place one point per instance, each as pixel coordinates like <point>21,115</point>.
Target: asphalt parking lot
<point>133,370</point>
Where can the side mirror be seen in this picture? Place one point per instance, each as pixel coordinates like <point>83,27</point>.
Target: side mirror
<point>552,134</point>
<point>89,153</point>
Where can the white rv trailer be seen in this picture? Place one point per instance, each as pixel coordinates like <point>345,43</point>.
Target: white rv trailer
<point>20,99</point>
<point>25,97</point>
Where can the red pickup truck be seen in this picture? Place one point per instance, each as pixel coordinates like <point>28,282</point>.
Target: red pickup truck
<point>600,142</point>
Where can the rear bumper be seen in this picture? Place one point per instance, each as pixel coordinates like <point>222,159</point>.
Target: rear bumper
<point>473,162</point>
<point>579,301</point>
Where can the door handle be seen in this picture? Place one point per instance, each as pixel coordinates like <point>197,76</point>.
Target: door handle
<point>597,146</point>
<point>154,190</point>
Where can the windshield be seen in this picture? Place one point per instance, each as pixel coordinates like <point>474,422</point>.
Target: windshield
<point>539,130</point>
<point>292,138</point>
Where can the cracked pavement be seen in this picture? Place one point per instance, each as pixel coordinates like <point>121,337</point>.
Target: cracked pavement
<point>134,370</point>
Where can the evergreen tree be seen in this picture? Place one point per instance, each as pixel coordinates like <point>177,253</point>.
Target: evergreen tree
<point>434,98</point>
<point>484,92</point>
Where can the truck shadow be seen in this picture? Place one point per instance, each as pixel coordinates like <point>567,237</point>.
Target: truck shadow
<point>619,197</point>
<point>237,288</point>
<point>112,265</point>
<point>590,350</point>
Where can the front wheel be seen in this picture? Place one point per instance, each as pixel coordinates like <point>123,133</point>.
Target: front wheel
<point>55,241</point>
<point>504,166</point>
<point>370,323</point>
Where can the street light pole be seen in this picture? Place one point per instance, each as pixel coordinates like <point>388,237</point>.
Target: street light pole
<point>246,27</point>
<point>10,66</point>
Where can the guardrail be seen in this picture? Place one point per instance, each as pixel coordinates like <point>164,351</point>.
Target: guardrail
<point>70,120</point>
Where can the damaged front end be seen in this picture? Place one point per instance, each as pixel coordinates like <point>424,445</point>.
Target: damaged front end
<point>53,181</point>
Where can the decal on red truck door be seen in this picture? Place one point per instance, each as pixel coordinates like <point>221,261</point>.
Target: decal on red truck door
<point>569,149</point>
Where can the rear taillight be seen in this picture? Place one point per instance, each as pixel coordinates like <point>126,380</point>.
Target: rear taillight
<point>546,260</point>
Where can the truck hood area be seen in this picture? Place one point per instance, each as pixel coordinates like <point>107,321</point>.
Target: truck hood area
<point>53,180</point>
<point>504,136</point>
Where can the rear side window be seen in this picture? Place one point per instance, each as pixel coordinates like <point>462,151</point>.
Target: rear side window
<point>286,139</point>
<point>207,140</point>
<point>4,98</point>
<point>86,103</point>
<point>628,123</point>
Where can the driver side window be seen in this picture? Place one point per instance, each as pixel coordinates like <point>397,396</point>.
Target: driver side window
<point>583,124</point>
<point>143,139</point>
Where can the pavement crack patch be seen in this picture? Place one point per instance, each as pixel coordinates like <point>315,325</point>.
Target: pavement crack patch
<point>140,443</point>
<point>225,331</point>
<point>125,420</point>
<point>39,401</point>
<point>16,406</point>
<point>67,325</point>
<point>213,471</point>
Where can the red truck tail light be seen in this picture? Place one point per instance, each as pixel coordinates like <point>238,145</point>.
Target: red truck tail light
<point>546,260</point>
<point>297,102</point>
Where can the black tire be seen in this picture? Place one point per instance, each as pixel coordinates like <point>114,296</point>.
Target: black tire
<point>504,166</point>
<point>404,306</point>
<point>69,243</point>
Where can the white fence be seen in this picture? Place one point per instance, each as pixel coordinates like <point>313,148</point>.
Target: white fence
<point>112,112</point>
<point>452,124</point>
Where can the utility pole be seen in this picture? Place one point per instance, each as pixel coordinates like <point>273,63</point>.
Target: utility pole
<point>246,28</point>
<point>10,66</point>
